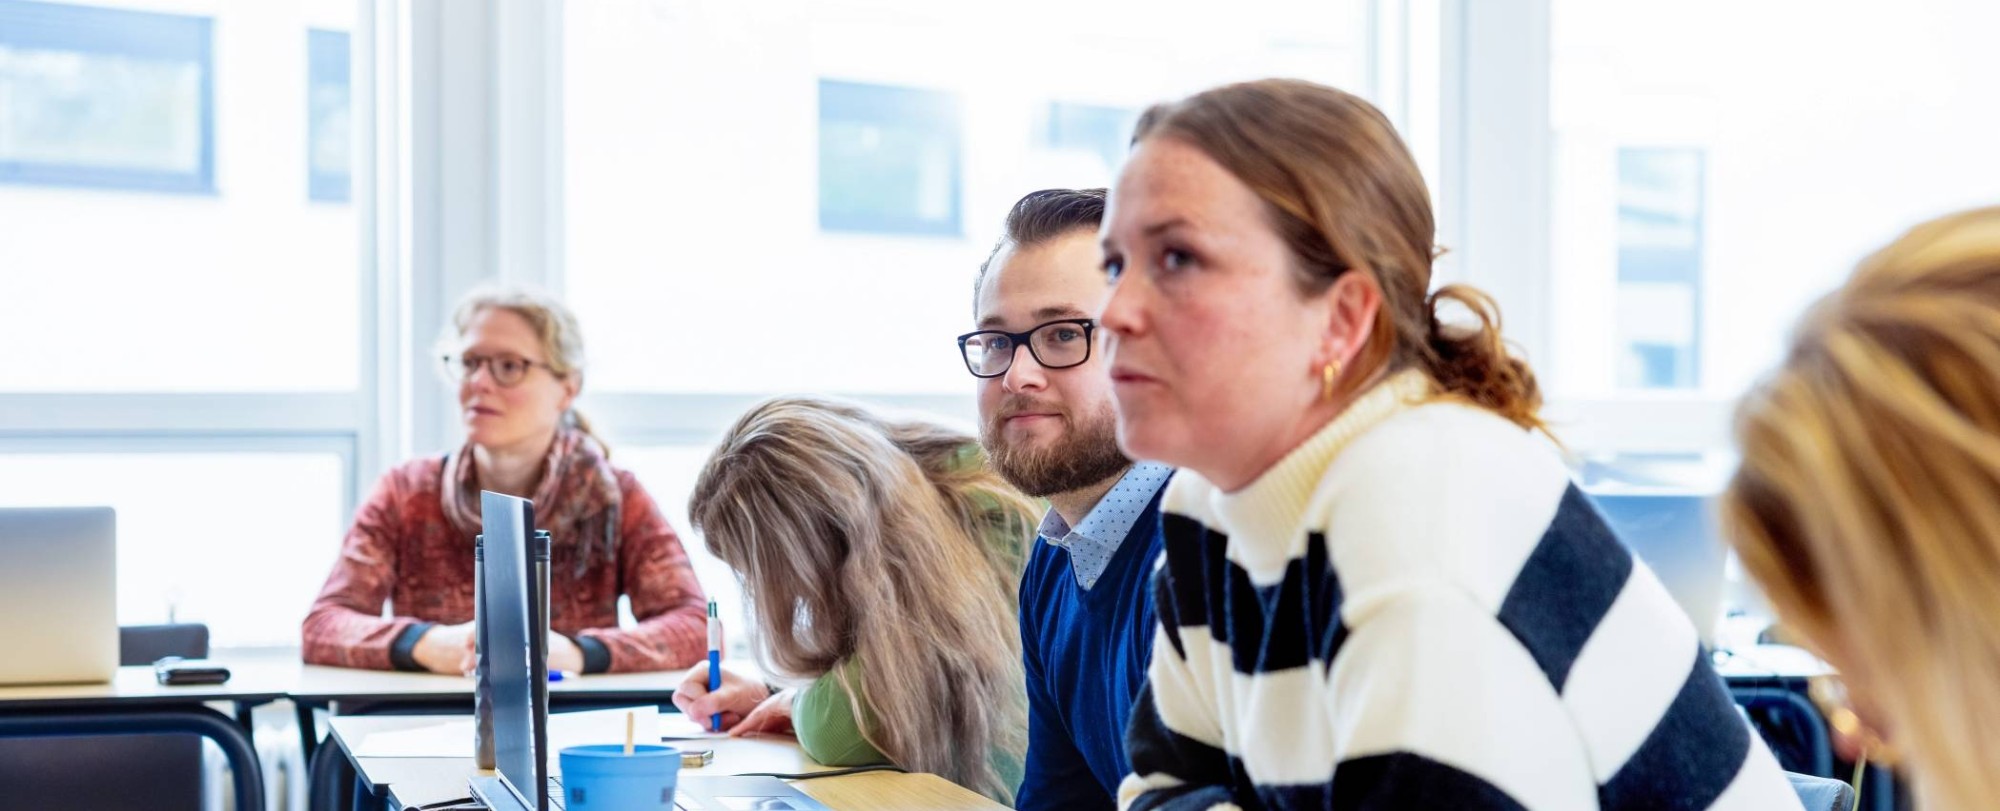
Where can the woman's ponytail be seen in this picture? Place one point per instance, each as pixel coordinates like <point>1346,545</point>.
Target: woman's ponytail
<point>1471,361</point>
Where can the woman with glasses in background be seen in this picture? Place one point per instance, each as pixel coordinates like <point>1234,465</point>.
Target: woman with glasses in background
<point>1868,501</point>
<point>517,356</point>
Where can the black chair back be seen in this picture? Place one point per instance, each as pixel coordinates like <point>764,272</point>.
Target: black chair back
<point>146,644</point>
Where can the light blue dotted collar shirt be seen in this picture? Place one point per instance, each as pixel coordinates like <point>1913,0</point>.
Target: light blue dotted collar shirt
<point>1096,538</point>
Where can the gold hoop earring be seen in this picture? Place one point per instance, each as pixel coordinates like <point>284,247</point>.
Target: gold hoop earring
<point>1327,374</point>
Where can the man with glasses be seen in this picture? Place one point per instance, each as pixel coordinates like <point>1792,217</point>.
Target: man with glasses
<point>1046,423</point>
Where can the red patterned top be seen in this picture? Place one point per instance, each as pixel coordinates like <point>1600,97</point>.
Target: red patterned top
<point>402,550</point>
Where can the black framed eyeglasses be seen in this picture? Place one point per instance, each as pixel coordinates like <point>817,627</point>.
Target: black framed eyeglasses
<point>1055,345</point>
<point>507,370</point>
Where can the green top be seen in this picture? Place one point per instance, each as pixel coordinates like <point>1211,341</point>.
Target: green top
<point>823,718</point>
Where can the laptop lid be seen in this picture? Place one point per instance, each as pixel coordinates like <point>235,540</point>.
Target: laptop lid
<point>1675,534</point>
<point>60,570</point>
<point>514,648</point>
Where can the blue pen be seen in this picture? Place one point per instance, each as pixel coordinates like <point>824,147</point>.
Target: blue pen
<point>714,661</point>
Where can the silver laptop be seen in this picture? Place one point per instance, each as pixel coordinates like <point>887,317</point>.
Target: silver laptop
<point>512,623</point>
<point>1675,534</point>
<point>58,595</point>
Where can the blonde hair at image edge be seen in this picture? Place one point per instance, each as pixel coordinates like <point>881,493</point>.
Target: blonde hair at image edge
<point>1868,501</point>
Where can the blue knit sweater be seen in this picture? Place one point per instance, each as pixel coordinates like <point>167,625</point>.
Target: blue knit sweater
<point>1085,654</point>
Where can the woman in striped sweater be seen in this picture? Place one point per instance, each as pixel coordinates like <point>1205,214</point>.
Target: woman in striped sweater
<point>1380,589</point>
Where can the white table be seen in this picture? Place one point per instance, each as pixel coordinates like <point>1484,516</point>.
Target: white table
<point>405,783</point>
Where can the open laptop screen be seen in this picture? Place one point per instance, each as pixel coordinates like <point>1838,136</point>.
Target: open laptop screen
<point>58,591</point>
<point>1675,534</point>
<point>505,523</point>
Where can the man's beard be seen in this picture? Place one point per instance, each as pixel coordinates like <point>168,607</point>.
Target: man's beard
<point>1086,455</point>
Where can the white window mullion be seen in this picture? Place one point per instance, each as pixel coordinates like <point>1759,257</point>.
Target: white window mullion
<point>1499,151</point>
<point>527,76</point>
<point>177,413</point>
<point>380,198</point>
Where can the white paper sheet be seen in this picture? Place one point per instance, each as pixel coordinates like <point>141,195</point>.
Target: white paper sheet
<point>676,726</point>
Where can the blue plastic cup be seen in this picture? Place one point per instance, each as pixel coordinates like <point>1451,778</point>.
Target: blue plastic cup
<point>601,777</point>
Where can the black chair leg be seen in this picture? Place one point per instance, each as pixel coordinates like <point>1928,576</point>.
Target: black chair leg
<point>331,786</point>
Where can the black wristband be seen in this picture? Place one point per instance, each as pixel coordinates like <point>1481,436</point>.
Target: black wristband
<point>403,652</point>
<point>596,655</point>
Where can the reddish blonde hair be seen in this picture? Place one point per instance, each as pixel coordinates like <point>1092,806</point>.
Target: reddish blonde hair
<point>1345,195</point>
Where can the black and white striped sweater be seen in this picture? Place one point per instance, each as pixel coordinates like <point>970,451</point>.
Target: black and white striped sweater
<point>1416,610</point>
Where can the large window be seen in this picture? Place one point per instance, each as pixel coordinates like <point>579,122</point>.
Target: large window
<point>791,197</point>
<point>250,289</point>
<point>1715,167</point>
<point>1719,165</point>
<point>194,358</point>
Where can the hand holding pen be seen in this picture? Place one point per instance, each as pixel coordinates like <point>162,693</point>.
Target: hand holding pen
<point>714,661</point>
<point>746,706</point>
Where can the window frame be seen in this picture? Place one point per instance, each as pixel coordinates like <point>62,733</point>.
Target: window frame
<point>364,427</point>
<point>1495,215</point>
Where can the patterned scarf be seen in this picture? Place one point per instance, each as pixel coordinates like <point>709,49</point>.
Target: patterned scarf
<point>577,499</point>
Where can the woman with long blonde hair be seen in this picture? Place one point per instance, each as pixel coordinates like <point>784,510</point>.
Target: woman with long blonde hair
<point>1868,501</point>
<point>881,559</point>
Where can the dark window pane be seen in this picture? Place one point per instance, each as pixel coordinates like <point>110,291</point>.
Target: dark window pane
<point>329,121</point>
<point>1660,243</point>
<point>1103,131</point>
<point>106,98</point>
<point>888,159</point>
